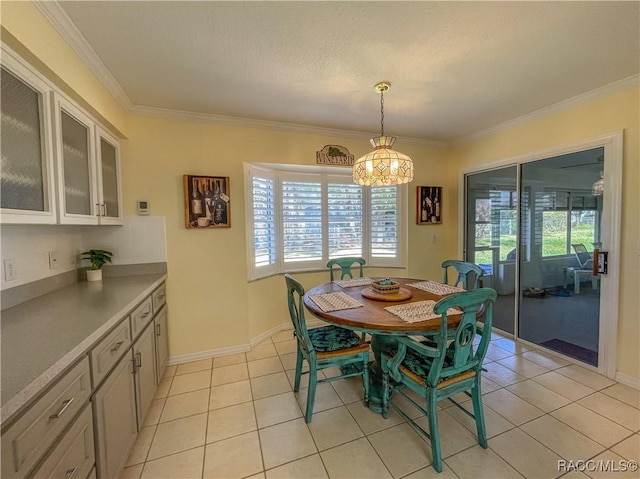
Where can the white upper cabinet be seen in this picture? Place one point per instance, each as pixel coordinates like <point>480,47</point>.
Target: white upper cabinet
<point>88,166</point>
<point>58,164</point>
<point>27,173</point>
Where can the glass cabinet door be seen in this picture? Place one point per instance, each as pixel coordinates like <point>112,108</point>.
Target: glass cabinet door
<point>26,166</point>
<point>110,188</point>
<point>75,140</point>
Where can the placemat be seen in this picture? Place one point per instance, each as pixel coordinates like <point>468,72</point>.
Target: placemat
<point>418,311</point>
<point>436,288</point>
<point>328,302</point>
<point>348,283</point>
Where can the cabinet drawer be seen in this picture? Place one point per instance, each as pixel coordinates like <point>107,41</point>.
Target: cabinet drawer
<point>106,354</point>
<point>141,317</point>
<point>159,298</point>
<point>74,455</point>
<point>24,443</point>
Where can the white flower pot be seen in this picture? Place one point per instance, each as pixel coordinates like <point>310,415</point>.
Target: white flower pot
<point>94,275</point>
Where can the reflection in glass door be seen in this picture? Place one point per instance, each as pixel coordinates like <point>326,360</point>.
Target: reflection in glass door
<point>560,227</point>
<point>490,230</point>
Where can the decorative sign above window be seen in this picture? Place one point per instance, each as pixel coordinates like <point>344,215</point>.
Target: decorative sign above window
<point>334,155</point>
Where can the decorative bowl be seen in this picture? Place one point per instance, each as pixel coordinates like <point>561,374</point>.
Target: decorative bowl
<point>381,288</point>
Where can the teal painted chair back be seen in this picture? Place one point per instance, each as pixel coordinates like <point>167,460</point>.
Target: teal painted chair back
<point>346,264</point>
<point>295,297</point>
<point>324,347</point>
<point>468,273</point>
<point>448,364</point>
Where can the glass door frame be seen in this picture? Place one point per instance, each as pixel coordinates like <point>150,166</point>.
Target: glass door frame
<point>611,225</point>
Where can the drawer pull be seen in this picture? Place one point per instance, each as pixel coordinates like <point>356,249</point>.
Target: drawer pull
<point>65,406</point>
<point>158,332</point>
<point>145,314</point>
<point>161,296</point>
<point>71,473</point>
<point>117,346</point>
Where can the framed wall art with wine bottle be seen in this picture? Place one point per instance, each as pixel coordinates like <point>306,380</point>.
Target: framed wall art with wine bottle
<point>429,207</point>
<point>206,202</point>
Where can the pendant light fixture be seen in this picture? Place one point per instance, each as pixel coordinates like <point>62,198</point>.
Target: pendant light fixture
<point>383,166</point>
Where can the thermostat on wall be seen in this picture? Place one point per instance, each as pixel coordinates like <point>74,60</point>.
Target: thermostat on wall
<point>143,207</point>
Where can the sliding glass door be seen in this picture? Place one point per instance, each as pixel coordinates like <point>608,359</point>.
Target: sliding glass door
<point>561,227</point>
<point>491,226</point>
<point>533,229</point>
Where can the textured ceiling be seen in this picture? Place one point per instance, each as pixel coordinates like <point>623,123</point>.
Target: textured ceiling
<point>456,68</point>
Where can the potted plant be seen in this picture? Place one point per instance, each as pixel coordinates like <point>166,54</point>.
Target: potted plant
<point>98,258</point>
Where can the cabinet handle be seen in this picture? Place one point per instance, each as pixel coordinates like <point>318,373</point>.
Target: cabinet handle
<point>65,406</point>
<point>104,209</point>
<point>99,209</point>
<point>117,346</point>
<point>158,333</point>
<point>71,473</point>
<point>138,360</point>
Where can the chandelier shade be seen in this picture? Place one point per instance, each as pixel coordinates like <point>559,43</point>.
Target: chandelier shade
<point>383,166</point>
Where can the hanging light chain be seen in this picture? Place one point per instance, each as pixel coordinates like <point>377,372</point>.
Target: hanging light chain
<point>381,112</point>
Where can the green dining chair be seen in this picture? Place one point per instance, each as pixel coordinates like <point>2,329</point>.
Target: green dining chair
<point>346,264</point>
<point>469,274</point>
<point>325,347</point>
<point>450,364</point>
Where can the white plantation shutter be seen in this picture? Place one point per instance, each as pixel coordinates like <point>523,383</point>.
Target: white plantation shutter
<point>297,221</point>
<point>302,220</point>
<point>264,221</point>
<point>344,219</point>
<point>384,221</point>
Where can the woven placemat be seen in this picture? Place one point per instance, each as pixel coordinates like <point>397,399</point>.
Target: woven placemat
<point>418,311</point>
<point>436,288</point>
<point>328,302</point>
<point>348,283</point>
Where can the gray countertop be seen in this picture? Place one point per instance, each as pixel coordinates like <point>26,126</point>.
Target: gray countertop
<point>43,337</point>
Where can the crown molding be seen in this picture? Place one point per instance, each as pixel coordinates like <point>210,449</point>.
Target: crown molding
<point>54,13</point>
<point>270,125</point>
<point>563,105</point>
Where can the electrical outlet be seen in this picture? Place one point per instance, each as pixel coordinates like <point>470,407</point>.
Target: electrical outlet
<point>10,269</point>
<point>54,259</point>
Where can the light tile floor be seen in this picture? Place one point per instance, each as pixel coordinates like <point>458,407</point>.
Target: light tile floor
<point>237,417</point>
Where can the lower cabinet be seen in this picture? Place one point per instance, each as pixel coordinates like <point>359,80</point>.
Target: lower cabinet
<point>144,360</point>
<point>162,341</point>
<point>73,457</point>
<point>114,410</point>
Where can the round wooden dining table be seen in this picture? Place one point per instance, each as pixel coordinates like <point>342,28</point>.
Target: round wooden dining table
<point>372,318</point>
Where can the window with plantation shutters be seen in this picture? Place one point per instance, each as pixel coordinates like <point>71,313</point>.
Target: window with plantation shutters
<point>302,220</point>
<point>344,211</point>
<point>297,221</point>
<point>264,221</point>
<point>384,222</point>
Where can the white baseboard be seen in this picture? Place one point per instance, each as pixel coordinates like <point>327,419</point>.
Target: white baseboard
<point>628,380</point>
<point>242,348</point>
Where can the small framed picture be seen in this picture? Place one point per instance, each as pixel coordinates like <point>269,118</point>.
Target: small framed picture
<point>429,207</point>
<point>206,202</point>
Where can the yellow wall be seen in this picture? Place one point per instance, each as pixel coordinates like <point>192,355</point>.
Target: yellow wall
<point>614,112</point>
<point>26,31</point>
<point>213,304</point>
